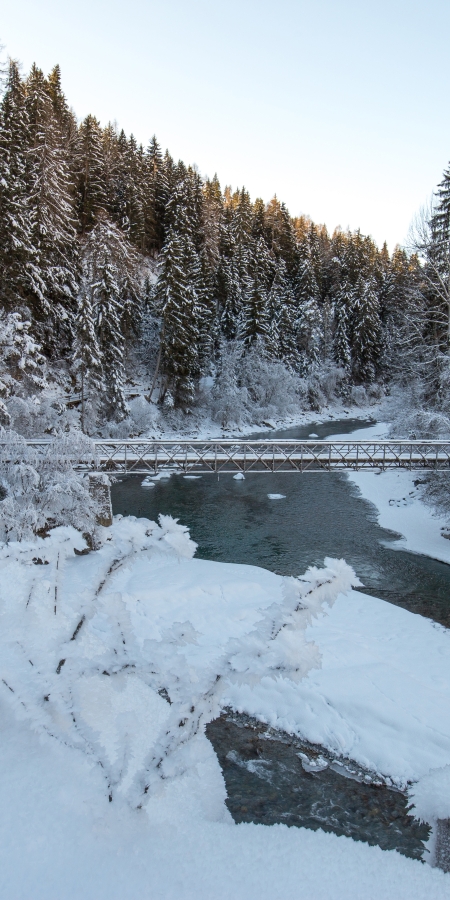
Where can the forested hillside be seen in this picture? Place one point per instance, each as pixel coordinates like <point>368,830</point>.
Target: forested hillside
<point>119,265</point>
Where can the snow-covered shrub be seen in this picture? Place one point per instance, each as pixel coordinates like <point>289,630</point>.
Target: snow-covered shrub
<point>41,487</point>
<point>358,395</point>
<point>324,384</point>
<point>250,387</point>
<point>228,398</point>
<point>98,649</point>
<point>40,415</point>
<point>272,390</point>
<point>413,418</point>
<point>142,415</point>
<point>141,419</point>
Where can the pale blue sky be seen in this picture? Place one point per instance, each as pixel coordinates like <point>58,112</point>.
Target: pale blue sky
<point>340,107</point>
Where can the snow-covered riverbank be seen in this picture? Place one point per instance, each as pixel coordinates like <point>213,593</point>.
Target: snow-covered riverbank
<point>397,499</point>
<point>92,648</point>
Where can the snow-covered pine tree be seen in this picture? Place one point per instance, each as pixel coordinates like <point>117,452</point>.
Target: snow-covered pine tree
<point>87,358</point>
<point>20,279</point>
<point>283,316</point>
<point>254,321</point>
<point>65,117</point>
<point>207,313</point>
<point>212,221</point>
<point>89,174</point>
<point>129,213</point>
<point>155,197</point>
<point>22,365</point>
<point>108,266</point>
<point>366,331</point>
<point>175,302</point>
<point>440,227</point>
<point>259,228</point>
<point>344,301</point>
<point>280,236</point>
<point>106,295</point>
<point>51,203</point>
<point>309,328</point>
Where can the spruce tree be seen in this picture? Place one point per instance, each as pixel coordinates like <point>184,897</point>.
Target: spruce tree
<point>207,313</point>
<point>343,305</point>
<point>52,214</point>
<point>91,200</point>
<point>155,197</point>
<point>175,301</point>
<point>20,279</point>
<point>212,221</point>
<point>309,328</point>
<point>87,356</point>
<point>108,270</point>
<point>254,317</point>
<point>283,315</point>
<point>440,227</point>
<point>366,331</point>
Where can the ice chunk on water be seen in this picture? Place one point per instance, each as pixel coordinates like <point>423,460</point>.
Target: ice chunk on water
<point>313,435</point>
<point>276,496</point>
<point>313,765</point>
<point>239,476</point>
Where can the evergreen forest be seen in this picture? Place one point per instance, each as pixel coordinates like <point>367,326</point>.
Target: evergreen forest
<point>121,269</point>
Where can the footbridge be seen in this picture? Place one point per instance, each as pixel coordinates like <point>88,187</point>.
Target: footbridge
<point>145,457</point>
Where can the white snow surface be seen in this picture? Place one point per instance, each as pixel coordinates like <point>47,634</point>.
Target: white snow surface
<point>431,796</point>
<point>398,502</point>
<point>87,643</point>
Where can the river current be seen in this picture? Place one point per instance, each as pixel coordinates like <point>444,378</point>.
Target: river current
<point>321,514</point>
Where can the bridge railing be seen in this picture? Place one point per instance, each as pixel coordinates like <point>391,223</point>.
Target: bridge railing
<point>142,456</point>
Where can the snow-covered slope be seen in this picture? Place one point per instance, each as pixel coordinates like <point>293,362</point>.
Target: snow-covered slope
<point>399,504</point>
<point>108,791</point>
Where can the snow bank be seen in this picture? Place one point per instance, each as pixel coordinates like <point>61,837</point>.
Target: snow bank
<point>77,630</point>
<point>380,696</point>
<point>110,791</point>
<point>431,796</point>
<point>398,502</point>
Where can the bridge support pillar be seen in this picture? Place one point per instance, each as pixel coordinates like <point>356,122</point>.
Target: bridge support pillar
<point>100,490</point>
<point>442,847</point>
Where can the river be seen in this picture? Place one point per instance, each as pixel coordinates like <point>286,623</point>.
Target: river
<point>321,514</point>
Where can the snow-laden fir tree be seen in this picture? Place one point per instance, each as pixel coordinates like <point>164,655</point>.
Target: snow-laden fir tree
<point>90,185</point>
<point>283,316</point>
<point>155,197</point>
<point>344,301</point>
<point>20,279</point>
<point>254,316</point>
<point>51,203</point>
<point>208,325</point>
<point>366,345</point>
<point>310,333</point>
<point>212,221</point>
<point>107,270</point>
<point>22,364</point>
<point>176,304</point>
<point>87,358</point>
